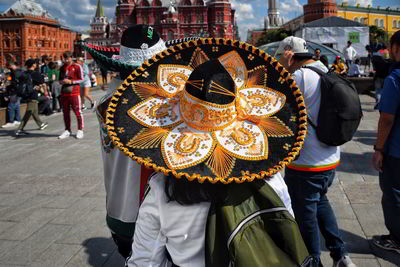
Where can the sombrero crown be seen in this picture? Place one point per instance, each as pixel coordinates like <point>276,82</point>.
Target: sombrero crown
<point>138,43</point>
<point>209,109</point>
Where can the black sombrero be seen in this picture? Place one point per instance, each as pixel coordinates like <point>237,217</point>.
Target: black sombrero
<point>209,109</point>
<point>138,43</point>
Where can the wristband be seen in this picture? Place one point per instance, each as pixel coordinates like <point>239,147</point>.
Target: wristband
<point>379,149</point>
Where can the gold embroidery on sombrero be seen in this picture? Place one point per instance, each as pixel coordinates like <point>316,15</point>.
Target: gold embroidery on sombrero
<point>259,101</point>
<point>172,78</point>
<point>146,90</point>
<point>243,140</point>
<point>236,67</point>
<point>198,58</point>
<point>206,116</point>
<point>220,162</point>
<point>156,112</point>
<point>197,131</point>
<point>148,138</point>
<point>274,127</point>
<point>184,147</point>
<point>257,76</point>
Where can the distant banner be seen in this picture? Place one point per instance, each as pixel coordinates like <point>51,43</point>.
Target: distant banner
<point>354,37</point>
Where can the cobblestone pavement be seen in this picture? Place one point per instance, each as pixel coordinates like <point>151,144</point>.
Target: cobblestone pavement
<point>52,200</point>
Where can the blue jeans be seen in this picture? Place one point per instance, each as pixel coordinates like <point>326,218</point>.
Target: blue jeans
<point>13,110</point>
<point>389,181</point>
<point>313,211</point>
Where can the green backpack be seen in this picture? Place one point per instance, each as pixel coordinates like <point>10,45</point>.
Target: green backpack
<point>253,228</point>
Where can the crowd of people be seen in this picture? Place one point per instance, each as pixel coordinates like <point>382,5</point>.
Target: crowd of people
<point>184,154</point>
<point>48,87</point>
<point>170,223</point>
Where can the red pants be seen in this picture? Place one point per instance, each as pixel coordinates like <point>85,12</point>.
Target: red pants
<point>73,102</point>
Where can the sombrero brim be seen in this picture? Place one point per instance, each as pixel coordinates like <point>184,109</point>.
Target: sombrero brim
<point>103,55</point>
<point>144,123</point>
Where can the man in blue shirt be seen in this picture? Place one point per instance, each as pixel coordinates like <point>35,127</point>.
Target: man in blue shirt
<point>386,158</point>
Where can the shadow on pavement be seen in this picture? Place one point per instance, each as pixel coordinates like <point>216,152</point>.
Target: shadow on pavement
<point>366,137</point>
<point>357,163</point>
<point>102,252</point>
<point>29,135</point>
<point>389,256</point>
<point>356,244</point>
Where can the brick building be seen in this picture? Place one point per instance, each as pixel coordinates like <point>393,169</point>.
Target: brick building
<point>29,31</point>
<point>178,19</point>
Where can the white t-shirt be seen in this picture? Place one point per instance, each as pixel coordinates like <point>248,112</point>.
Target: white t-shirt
<point>315,155</point>
<point>354,70</point>
<point>180,229</point>
<point>121,174</point>
<point>349,53</point>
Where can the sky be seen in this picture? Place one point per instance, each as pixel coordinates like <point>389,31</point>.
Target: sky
<point>249,13</point>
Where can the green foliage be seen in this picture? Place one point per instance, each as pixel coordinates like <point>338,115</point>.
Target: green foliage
<point>377,35</point>
<point>273,36</point>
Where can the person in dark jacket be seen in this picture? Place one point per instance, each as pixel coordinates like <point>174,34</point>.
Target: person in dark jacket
<point>13,107</point>
<point>32,78</point>
<point>386,158</point>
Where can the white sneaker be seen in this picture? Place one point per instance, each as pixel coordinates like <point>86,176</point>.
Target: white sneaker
<point>17,123</point>
<point>345,261</point>
<point>79,134</point>
<point>64,135</point>
<point>8,125</point>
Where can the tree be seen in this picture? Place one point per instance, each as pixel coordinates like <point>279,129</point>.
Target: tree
<point>273,36</point>
<point>377,35</point>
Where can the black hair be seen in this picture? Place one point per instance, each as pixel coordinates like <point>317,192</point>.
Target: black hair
<point>52,65</point>
<point>357,61</point>
<point>318,50</point>
<point>324,60</point>
<point>67,55</point>
<point>187,192</point>
<point>395,39</point>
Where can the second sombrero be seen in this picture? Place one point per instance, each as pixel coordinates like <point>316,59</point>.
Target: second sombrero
<point>210,109</point>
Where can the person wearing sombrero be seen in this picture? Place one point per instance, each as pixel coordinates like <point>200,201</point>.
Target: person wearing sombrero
<point>124,179</point>
<point>213,118</point>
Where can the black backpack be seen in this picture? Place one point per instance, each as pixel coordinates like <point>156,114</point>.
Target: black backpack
<point>24,84</point>
<point>340,111</point>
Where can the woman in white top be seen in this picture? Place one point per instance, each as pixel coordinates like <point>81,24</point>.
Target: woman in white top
<point>176,222</point>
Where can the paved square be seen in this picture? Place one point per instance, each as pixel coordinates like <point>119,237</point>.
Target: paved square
<point>52,200</point>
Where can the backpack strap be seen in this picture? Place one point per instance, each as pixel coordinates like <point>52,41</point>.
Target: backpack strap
<point>320,73</point>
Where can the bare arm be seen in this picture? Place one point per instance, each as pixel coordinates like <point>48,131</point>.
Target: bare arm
<point>385,124</point>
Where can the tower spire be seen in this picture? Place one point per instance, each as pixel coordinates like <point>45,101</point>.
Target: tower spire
<point>99,10</point>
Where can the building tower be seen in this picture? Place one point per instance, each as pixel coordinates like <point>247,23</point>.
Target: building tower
<point>221,19</point>
<point>273,15</point>
<point>99,34</point>
<point>318,9</point>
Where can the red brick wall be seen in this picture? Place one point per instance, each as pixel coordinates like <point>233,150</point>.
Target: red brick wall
<point>37,37</point>
<point>318,9</point>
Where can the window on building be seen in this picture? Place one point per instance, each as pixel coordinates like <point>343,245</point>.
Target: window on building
<point>29,30</point>
<point>394,26</point>
<point>170,35</point>
<point>17,43</point>
<point>200,17</point>
<point>7,43</point>
<point>381,23</point>
<point>145,19</point>
<point>356,19</point>
<point>30,43</point>
<point>398,24</point>
<point>17,31</point>
<point>377,22</point>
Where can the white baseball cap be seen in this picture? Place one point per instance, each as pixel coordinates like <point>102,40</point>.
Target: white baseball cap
<point>297,45</point>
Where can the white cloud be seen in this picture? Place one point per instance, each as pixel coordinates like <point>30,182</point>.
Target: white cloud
<point>243,11</point>
<point>290,7</point>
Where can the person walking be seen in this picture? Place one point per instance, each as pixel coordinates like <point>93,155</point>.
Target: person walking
<point>55,86</point>
<point>32,79</point>
<point>104,76</point>
<point>14,101</point>
<point>85,85</point>
<point>309,177</point>
<point>349,53</point>
<point>386,158</point>
<point>71,75</point>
